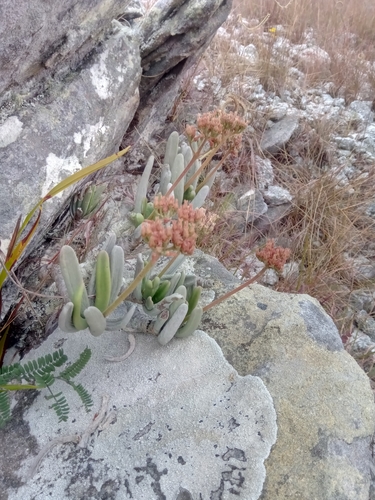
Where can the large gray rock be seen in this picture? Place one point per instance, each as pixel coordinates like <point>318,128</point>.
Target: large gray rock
<point>77,122</point>
<point>324,403</point>
<point>251,202</point>
<point>181,424</point>
<point>363,109</point>
<point>69,84</point>
<point>39,39</point>
<point>276,195</point>
<point>173,31</point>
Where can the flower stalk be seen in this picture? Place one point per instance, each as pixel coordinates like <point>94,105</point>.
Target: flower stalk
<point>235,290</point>
<point>148,267</point>
<point>272,257</point>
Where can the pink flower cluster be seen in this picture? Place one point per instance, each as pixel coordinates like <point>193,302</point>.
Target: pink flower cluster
<point>273,257</point>
<point>219,128</point>
<point>165,204</point>
<point>174,229</point>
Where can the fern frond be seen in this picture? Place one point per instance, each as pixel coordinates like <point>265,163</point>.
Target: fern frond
<point>38,369</point>
<point>74,369</point>
<point>60,406</point>
<point>83,394</point>
<point>43,379</point>
<point>11,372</point>
<point>4,408</point>
<point>40,373</point>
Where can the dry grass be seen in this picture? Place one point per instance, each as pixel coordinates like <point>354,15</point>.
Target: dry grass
<point>326,225</point>
<point>344,29</point>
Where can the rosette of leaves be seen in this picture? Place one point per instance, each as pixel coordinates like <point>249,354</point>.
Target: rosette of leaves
<point>86,308</point>
<point>172,302</point>
<point>41,373</point>
<point>86,202</point>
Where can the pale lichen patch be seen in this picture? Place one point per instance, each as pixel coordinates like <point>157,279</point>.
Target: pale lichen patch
<point>77,137</point>
<point>100,78</point>
<point>10,131</point>
<point>57,169</point>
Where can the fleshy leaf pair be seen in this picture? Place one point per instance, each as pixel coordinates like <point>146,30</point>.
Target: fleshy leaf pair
<point>84,311</point>
<point>173,302</point>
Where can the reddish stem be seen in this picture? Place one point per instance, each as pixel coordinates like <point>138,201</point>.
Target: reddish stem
<point>231,292</point>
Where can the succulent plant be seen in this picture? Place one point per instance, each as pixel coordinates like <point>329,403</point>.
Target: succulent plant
<point>84,311</point>
<point>142,208</point>
<point>86,202</point>
<point>172,302</point>
<point>176,160</point>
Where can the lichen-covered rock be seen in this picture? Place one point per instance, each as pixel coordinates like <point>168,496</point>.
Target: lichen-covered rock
<point>324,403</point>
<point>250,204</point>
<point>276,195</point>
<point>40,39</point>
<point>279,134</point>
<point>180,422</point>
<point>77,122</point>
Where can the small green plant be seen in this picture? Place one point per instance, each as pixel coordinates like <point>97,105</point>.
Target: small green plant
<point>169,225</point>
<point>172,303</point>
<point>86,202</point>
<point>185,166</point>
<point>88,308</point>
<point>171,300</point>
<point>39,374</point>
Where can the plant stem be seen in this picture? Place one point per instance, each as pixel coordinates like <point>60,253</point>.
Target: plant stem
<point>168,265</point>
<point>132,286</point>
<point>202,167</point>
<point>186,169</point>
<point>212,172</point>
<point>18,387</point>
<point>237,289</point>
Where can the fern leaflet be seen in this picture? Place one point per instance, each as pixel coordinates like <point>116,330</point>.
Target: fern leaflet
<point>83,394</point>
<point>37,370</point>
<point>4,408</point>
<point>74,369</point>
<point>8,373</point>
<point>43,379</point>
<point>60,406</point>
<point>57,359</point>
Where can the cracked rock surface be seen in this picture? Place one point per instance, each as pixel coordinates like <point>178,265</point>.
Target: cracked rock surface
<point>182,421</point>
<point>324,403</point>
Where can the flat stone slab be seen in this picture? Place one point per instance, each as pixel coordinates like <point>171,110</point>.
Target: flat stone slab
<point>279,134</point>
<point>182,424</point>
